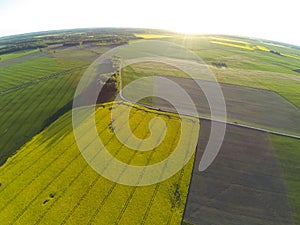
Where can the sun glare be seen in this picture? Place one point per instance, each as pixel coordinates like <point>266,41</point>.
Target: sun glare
<point>189,17</point>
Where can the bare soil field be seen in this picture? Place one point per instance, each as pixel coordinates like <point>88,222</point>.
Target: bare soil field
<point>244,185</point>
<point>250,106</point>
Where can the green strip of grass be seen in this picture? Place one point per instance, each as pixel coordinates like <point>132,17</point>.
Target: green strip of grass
<point>16,54</point>
<point>288,153</point>
<point>34,69</point>
<point>24,112</point>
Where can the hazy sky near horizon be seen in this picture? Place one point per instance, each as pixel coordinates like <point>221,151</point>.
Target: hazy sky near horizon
<point>269,19</point>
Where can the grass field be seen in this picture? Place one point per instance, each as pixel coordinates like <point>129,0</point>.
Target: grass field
<point>33,70</point>
<point>286,85</point>
<point>32,92</point>
<point>49,182</point>
<point>83,53</point>
<point>16,54</point>
<point>288,153</point>
<point>138,70</point>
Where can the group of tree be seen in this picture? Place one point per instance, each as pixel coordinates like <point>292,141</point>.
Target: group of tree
<point>75,37</point>
<point>219,64</point>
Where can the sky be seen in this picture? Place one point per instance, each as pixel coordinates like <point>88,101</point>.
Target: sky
<point>268,19</point>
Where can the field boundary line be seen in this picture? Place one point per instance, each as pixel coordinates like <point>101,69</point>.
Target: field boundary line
<point>42,101</point>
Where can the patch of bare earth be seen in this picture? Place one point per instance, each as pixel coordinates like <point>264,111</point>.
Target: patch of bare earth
<point>244,184</point>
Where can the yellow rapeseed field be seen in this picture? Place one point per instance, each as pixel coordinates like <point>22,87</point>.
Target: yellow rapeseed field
<point>291,56</point>
<point>49,182</point>
<point>230,40</point>
<point>262,48</point>
<point>247,47</point>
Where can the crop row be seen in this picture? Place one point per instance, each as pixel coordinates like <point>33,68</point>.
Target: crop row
<point>77,158</point>
<point>94,182</point>
<point>48,180</point>
<point>58,175</point>
<point>32,70</point>
<point>42,165</point>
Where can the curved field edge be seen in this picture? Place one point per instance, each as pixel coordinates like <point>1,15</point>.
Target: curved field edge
<point>288,152</point>
<point>49,182</point>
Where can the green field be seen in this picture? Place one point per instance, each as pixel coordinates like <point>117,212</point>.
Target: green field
<point>32,92</point>
<point>258,69</point>
<point>33,70</point>
<point>49,182</point>
<point>16,54</point>
<point>238,58</point>
<point>288,153</point>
